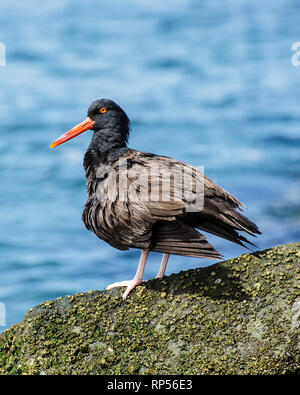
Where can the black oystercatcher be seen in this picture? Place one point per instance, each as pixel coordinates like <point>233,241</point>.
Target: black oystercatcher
<point>151,202</point>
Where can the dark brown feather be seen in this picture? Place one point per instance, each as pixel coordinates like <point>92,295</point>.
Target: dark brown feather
<point>144,219</point>
<point>175,237</point>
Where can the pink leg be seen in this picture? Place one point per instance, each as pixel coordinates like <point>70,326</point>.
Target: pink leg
<point>163,266</point>
<point>137,279</point>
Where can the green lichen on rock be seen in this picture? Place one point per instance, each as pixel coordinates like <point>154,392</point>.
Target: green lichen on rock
<point>240,316</point>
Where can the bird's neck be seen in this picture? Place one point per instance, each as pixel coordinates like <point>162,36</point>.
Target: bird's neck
<point>107,140</point>
<point>105,147</point>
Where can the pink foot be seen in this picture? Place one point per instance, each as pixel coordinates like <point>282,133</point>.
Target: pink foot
<point>130,284</point>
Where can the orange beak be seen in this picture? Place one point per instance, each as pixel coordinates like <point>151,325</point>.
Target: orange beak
<point>80,128</point>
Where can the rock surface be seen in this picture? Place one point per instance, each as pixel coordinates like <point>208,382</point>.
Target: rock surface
<point>240,316</point>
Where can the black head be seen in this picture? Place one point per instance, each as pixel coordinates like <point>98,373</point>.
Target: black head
<point>107,115</point>
<point>109,123</point>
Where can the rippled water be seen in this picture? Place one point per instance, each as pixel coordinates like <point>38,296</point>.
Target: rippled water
<point>206,83</point>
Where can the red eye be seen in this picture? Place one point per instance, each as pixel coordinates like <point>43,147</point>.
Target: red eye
<point>103,110</point>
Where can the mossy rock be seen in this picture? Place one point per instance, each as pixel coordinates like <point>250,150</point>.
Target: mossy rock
<point>240,316</point>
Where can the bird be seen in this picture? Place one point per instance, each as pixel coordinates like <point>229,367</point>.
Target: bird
<point>150,202</point>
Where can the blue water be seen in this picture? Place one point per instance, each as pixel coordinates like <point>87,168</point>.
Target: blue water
<point>204,82</point>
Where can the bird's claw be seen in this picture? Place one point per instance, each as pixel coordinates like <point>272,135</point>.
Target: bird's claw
<point>130,284</point>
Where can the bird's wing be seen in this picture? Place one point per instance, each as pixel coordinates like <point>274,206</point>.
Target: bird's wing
<point>176,237</point>
<point>172,190</point>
